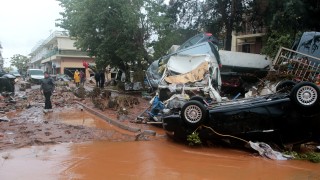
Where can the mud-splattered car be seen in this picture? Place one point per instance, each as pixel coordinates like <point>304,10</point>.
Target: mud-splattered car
<point>35,75</point>
<point>6,82</point>
<point>292,114</point>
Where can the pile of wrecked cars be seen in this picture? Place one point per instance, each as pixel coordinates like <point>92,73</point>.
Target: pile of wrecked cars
<point>190,99</point>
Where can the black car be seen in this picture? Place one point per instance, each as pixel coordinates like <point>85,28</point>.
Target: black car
<point>6,82</point>
<point>290,115</point>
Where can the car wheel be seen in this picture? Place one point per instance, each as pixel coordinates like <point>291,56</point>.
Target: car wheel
<point>305,94</point>
<point>193,113</point>
<point>285,86</point>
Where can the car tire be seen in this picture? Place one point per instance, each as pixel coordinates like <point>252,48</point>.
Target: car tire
<point>285,86</point>
<point>305,94</point>
<point>193,113</point>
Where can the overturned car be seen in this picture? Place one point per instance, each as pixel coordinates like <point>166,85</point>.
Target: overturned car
<point>290,115</point>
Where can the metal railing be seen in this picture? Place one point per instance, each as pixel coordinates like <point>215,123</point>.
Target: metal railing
<point>299,66</point>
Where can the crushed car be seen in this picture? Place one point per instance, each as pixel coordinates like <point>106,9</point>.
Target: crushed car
<point>199,62</point>
<point>280,117</point>
<point>286,114</point>
<point>236,70</point>
<point>190,98</point>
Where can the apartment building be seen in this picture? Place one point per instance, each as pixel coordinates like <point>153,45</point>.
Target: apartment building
<point>250,39</point>
<point>58,55</point>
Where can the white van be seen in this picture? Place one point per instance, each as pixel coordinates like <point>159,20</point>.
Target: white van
<point>35,75</point>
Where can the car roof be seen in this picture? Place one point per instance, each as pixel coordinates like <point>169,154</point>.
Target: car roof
<point>199,38</point>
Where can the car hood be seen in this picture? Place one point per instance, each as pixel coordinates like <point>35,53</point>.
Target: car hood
<point>37,76</point>
<point>17,75</point>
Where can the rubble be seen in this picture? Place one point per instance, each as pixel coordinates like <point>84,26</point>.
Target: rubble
<point>23,123</point>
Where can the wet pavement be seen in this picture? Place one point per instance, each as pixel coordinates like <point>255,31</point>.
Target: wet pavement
<point>157,158</point>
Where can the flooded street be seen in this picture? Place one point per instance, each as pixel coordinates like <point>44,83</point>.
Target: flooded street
<point>158,158</point>
<point>167,160</point>
<point>146,160</point>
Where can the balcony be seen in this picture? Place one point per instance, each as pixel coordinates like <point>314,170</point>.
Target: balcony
<point>57,54</point>
<point>69,53</point>
<point>252,32</point>
<point>72,53</point>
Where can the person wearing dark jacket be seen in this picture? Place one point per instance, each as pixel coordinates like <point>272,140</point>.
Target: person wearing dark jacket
<point>102,79</point>
<point>47,88</point>
<point>97,78</point>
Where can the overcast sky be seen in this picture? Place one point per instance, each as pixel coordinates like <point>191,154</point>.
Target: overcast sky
<point>23,23</point>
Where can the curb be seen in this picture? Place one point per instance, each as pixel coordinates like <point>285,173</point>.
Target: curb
<point>111,121</point>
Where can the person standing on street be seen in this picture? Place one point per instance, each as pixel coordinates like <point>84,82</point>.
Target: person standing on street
<point>76,77</point>
<point>47,88</point>
<point>102,79</point>
<point>97,78</point>
<point>82,78</point>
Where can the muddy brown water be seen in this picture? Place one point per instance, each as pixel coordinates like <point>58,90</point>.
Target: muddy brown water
<point>158,158</point>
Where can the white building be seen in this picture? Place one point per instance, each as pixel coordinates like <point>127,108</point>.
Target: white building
<point>58,55</point>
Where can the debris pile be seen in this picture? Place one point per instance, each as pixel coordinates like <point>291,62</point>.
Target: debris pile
<point>111,100</point>
<point>29,96</point>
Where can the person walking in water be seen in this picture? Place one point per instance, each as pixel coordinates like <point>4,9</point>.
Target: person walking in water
<point>76,77</point>
<point>47,88</point>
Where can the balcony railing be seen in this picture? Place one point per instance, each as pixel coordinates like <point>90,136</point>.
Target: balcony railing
<point>72,53</point>
<point>252,31</point>
<point>57,52</point>
<point>52,35</point>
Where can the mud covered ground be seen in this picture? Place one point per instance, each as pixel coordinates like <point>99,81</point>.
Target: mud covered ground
<point>29,125</point>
